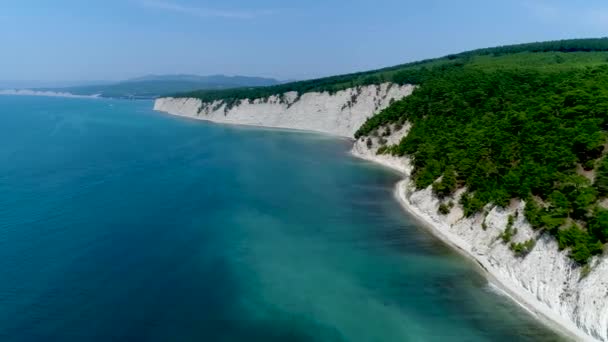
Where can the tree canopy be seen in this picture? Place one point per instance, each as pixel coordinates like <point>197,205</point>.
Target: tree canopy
<point>534,133</point>
<point>418,72</point>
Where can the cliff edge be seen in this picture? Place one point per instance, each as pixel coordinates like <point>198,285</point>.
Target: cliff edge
<point>340,113</point>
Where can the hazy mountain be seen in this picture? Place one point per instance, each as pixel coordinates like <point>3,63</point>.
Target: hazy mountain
<point>30,84</point>
<point>156,85</point>
<point>219,80</point>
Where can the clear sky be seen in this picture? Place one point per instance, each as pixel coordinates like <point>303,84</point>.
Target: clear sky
<point>117,39</point>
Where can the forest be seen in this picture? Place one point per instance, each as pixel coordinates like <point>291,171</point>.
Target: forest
<point>515,131</point>
<point>417,72</point>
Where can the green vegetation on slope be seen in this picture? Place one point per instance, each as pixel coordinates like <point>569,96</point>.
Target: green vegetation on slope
<point>557,52</point>
<point>529,125</point>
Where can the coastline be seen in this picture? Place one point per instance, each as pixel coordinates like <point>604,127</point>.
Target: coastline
<point>538,285</point>
<point>505,286</point>
<point>340,113</point>
<point>264,127</point>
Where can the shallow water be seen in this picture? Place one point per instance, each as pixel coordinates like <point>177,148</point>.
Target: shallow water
<point>118,223</point>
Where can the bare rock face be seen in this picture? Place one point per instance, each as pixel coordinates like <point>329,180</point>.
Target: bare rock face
<point>338,114</point>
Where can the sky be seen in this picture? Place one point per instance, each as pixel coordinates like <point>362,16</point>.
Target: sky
<point>78,40</point>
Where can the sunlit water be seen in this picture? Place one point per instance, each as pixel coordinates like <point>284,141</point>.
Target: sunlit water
<point>118,223</point>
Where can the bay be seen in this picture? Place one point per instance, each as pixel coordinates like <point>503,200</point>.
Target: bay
<point>119,223</point>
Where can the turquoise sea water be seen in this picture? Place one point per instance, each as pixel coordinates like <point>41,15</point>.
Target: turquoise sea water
<point>121,224</point>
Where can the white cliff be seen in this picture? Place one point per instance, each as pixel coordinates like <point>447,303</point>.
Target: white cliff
<point>545,281</point>
<point>339,114</point>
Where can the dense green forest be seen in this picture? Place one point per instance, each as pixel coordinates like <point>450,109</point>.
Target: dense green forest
<point>520,124</point>
<point>563,53</point>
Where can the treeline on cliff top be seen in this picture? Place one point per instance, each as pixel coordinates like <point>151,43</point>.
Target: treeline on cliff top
<point>410,73</point>
<point>524,121</point>
<point>528,125</point>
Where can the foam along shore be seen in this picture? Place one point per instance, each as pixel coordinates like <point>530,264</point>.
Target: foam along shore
<point>545,282</point>
<point>340,113</point>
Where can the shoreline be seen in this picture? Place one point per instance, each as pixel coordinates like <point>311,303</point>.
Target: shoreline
<point>506,288</point>
<point>339,114</point>
<point>263,127</point>
<point>503,286</point>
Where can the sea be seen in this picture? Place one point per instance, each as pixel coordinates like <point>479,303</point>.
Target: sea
<point>118,223</point>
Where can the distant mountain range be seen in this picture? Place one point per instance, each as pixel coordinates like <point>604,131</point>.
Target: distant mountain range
<point>34,84</point>
<point>152,86</point>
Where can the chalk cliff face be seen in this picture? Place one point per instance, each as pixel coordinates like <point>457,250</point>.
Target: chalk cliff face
<point>546,281</point>
<point>339,114</point>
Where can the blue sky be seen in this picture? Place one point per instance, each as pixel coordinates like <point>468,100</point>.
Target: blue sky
<point>117,39</point>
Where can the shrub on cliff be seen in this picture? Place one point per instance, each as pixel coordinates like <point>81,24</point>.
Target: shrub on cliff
<point>521,249</point>
<point>443,209</point>
<point>598,224</point>
<point>582,244</point>
<point>447,185</point>
<point>601,178</point>
<point>509,231</point>
<point>382,150</point>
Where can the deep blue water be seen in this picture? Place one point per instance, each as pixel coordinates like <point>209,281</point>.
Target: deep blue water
<point>118,223</point>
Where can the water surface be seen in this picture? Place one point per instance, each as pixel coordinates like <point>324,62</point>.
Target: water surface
<point>118,223</point>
